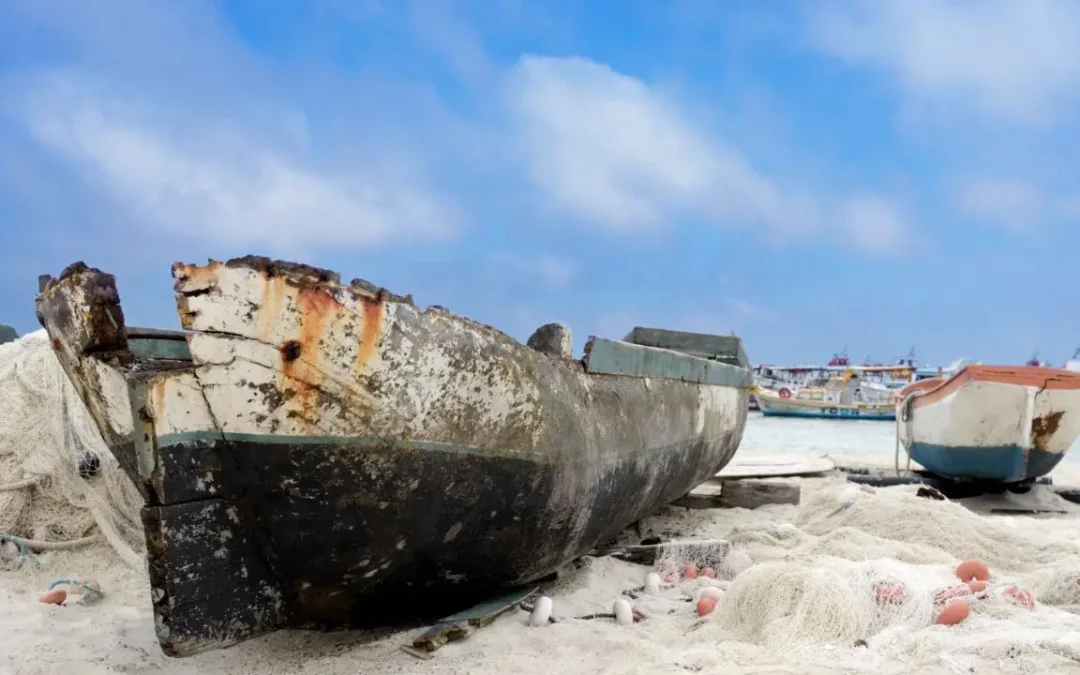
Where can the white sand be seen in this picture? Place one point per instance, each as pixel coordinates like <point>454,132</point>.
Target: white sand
<point>805,559</point>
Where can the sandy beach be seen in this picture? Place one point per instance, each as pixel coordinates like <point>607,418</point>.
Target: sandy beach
<point>806,604</point>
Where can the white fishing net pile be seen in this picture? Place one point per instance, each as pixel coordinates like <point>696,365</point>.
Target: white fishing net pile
<point>44,430</point>
<point>844,582</point>
<point>859,568</point>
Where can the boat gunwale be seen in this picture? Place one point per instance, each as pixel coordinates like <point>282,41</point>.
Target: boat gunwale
<point>932,390</point>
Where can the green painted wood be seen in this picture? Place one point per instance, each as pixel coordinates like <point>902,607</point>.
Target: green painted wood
<point>463,624</point>
<point>724,348</point>
<point>614,357</point>
<point>150,348</point>
<point>7,334</point>
<point>156,333</point>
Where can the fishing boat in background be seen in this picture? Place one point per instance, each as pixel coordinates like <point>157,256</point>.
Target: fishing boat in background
<point>320,454</point>
<point>1007,425</point>
<point>842,397</point>
<point>1073,364</point>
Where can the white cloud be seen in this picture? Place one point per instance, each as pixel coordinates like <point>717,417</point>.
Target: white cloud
<point>202,177</point>
<point>611,151</point>
<point>551,270</point>
<point>1013,60</point>
<point>872,223</point>
<point>1012,203</point>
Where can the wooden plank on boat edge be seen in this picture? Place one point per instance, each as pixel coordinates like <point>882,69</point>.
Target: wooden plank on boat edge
<point>614,357</point>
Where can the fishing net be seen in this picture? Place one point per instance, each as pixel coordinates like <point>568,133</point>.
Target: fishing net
<point>852,580</point>
<point>59,485</point>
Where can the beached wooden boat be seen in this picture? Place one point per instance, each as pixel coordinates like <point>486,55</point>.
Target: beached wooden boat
<point>320,454</point>
<point>1002,424</point>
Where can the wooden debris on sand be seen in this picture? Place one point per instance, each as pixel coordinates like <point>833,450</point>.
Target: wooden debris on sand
<point>747,494</point>
<point>463,624</point>
<point>646,554</point>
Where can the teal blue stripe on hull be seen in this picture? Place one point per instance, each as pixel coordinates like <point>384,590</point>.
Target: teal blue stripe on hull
<point>1004,463</point>
<point>889,416</point>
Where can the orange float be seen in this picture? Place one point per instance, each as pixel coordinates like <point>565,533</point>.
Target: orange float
<point>706,604</point>
<point>54,597</point>
<point>955,611</point>
<point>972,568</point>
<point>887,593</point>
<point>951,593</point>
<point>1019,596</point>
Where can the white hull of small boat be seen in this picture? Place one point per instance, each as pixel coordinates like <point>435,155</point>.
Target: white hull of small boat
<point>1006,424</point>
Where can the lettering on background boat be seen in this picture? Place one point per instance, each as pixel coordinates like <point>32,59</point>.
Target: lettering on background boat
<point>614,357</point>
<point>554,339</point>
<point>724,348</point>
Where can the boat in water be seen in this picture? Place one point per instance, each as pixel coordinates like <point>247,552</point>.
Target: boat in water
<point>1007,425</point>
<point>319,454</point>
<point>842,397</point>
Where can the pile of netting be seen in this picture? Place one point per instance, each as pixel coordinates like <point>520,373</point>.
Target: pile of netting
<point>876,570</point>
<point>854,579</point>
<point>60,487</point>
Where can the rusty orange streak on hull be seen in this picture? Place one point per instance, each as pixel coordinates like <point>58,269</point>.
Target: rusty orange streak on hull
<point>374,312</point>
<point>302,374</point>
<point>932,391</point>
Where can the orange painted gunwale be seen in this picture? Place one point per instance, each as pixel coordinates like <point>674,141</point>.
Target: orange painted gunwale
<point>933,390</point>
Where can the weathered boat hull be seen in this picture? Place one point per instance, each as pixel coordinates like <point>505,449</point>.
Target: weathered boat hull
<point>775,406</point>
<point>991,423</point>
<point>315,454</point>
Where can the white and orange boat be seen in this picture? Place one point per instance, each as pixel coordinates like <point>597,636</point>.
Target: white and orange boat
<point>1001,424</point>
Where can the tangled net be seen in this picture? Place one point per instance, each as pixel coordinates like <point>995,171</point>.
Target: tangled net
<point>855,579</point>
<point>60,487</point>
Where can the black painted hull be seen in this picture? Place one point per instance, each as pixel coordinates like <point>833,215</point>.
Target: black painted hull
<point>343,549</point>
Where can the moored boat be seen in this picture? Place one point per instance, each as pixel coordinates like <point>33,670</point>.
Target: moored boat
<point>842,397</point>
<point>1002,424</point>
<point>316,454</point>
<point>775,406</point>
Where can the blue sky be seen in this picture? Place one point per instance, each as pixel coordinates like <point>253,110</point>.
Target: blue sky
<point>879,174</point>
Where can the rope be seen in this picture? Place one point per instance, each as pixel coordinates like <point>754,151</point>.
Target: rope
<point>21,484</point>
<point>24,552</point>
<point>26,544</point>
<point>93,593</point>
<point>903,416</point>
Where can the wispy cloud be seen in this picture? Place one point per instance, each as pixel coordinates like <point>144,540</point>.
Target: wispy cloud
<point>211,179</point>
<point>613,152</point>
<point>873,223</point>
<point>1015,62</point>
<point>1012,203</point>
<point>550,270</point>
<point>181,129</point>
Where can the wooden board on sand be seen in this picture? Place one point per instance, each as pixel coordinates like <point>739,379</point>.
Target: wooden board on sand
<point>775,466</point>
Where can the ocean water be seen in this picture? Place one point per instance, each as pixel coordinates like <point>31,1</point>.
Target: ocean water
<point>794,435</point>
<point>866,438</point>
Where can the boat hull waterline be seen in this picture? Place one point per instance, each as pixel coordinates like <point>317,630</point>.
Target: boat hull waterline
<point>316,454</point>
<point>1000,424</point>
